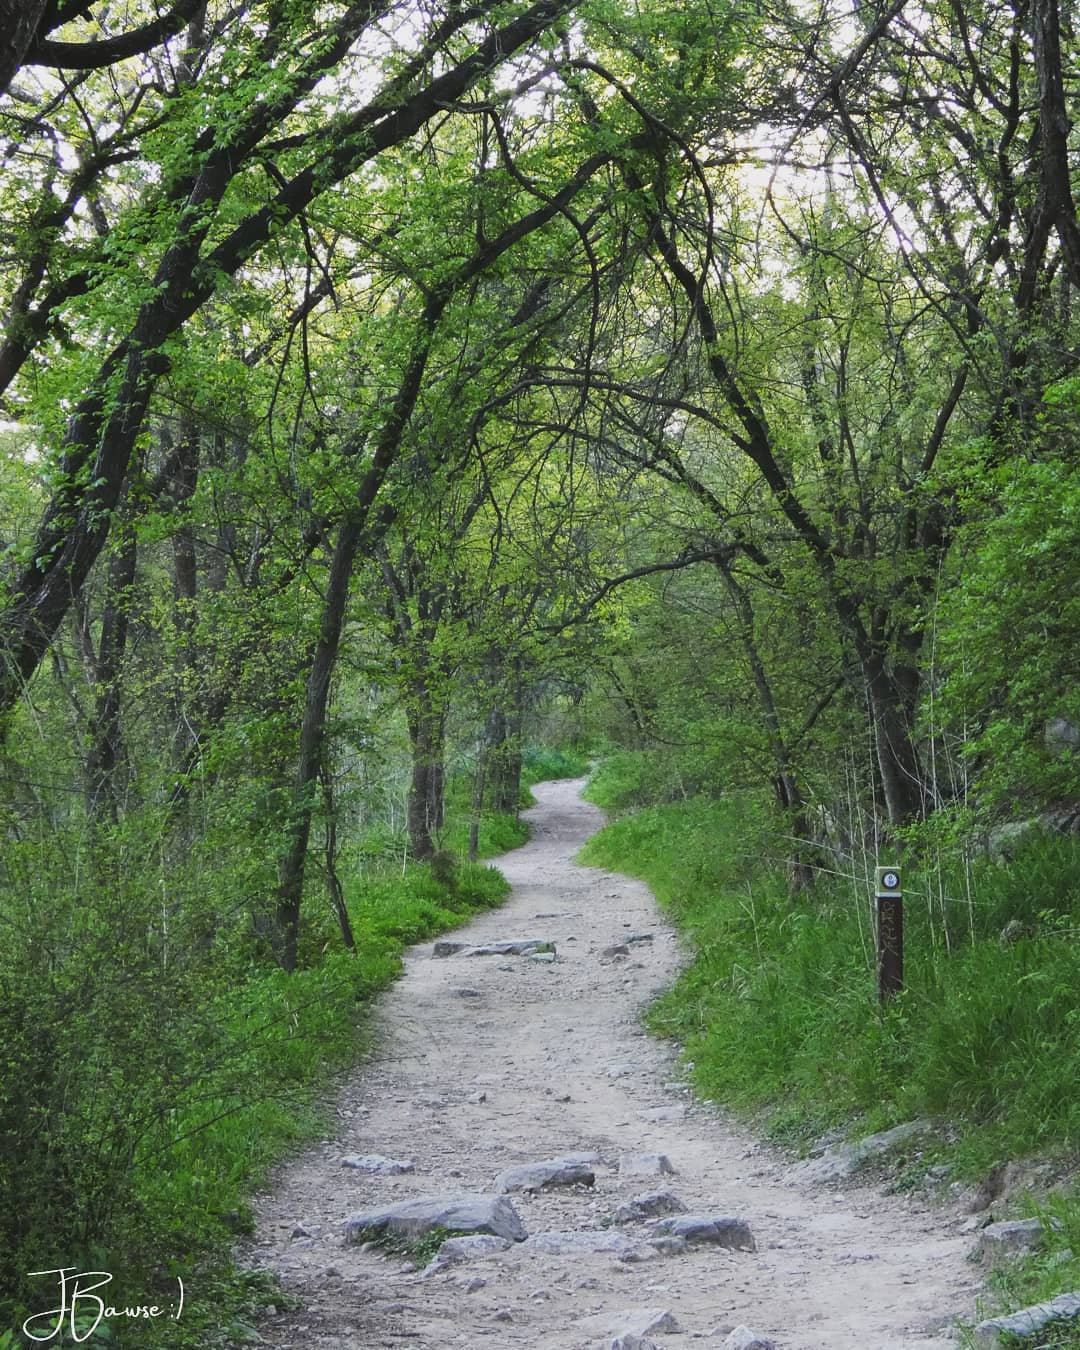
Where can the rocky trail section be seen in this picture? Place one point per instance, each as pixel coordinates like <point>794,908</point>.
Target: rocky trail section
<point>518,1101</point>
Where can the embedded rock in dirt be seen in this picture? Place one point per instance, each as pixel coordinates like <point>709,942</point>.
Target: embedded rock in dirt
<point>448,947</point>
<point>633,1322</point>
<point>492,1214</point>
<point>998,1332</point>
<point>742,1338</point>
<point>586,1244</point>
<point>1013,1237</point>
<point>648,1206</point>
<point>645,1165</point>
<point>376,1165</point>
<point>629,1340</point>
<point>458,1249</point>
<point>514,947</point>
<point>663,1114</point>
<point>719,1229</point>
<point>844,1159</point>
<point>541,1176</point>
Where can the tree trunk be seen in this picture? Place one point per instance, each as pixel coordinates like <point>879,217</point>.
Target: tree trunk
<point>800,865</point>
<point>426,805</point>
<point>106,752</point>
<point>309,760</point>
<point>892,707</point>
<point>508,720</point>
<point>333,881</point>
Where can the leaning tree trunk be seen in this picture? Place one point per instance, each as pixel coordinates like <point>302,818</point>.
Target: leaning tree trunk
<point>312,732</point>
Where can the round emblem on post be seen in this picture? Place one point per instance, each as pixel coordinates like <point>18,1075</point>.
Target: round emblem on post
<point>890,880</point>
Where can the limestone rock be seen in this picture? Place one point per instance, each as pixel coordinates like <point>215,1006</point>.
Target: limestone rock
<point>629,1340</point>
<point>513,947</point>
<point>456,1250</point>
<point>843,1159</point>
<point>448,947</point>
<point>1060,736</point>
<point>645,1165</point>
<point>997,1332</point>
<point>668,1246</point>
<point>615,952</point>
<point>493,1214</point>
<point>648,1206</point>
<point>1010,1238</point>
<point>742,1338</point>
<point>587,1244</point>
<point>376,1165</point>
<point>663,1114</point>
<point>634,938</point>
<point>542,1176</point>
<point>633,1322</point>
<point>1007,840</point>
<point>720,1229</point>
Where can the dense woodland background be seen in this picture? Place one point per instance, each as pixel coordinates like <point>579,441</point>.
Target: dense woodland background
<point>405,402</point>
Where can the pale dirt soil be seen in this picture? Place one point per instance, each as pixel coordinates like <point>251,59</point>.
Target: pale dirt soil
<point>565,1066</point>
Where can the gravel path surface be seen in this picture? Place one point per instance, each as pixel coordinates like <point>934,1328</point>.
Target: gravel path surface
<point>488,1062</point>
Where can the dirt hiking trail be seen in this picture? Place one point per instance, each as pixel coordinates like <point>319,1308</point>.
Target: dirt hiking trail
<point>484,1063</point>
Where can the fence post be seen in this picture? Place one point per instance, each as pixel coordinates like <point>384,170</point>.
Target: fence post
<point>890,932</point>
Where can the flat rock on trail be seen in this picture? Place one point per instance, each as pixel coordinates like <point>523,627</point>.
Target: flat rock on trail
<point>485,1063</point>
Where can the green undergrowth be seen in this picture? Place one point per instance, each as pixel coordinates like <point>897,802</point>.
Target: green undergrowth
<point>499,833</point>
<point>141,1118</point>
<point>779,1006</point>
<point>628,779</point>
<point>777,1012</point>
<point>420,1249</point>
<point>542,764</point>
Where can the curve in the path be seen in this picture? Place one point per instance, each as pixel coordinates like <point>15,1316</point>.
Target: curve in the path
<point>487,1062</point>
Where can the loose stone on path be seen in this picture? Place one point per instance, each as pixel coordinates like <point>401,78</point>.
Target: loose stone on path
<point>720,1230</point>
<point>493,1214</point>
<point>540,1176</point>
<point>648,1206</point>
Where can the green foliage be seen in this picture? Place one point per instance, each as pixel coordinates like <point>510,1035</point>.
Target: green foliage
<point>420,1250</point>
<point>153,1067</point>
<point>626,779</point>
<point>1010,630</point>
<point>543,763</point>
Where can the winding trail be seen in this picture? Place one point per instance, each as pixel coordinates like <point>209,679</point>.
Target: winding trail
<point>540,1060</point>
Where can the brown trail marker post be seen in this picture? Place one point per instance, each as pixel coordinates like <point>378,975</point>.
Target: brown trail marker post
<point>890,932</point>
